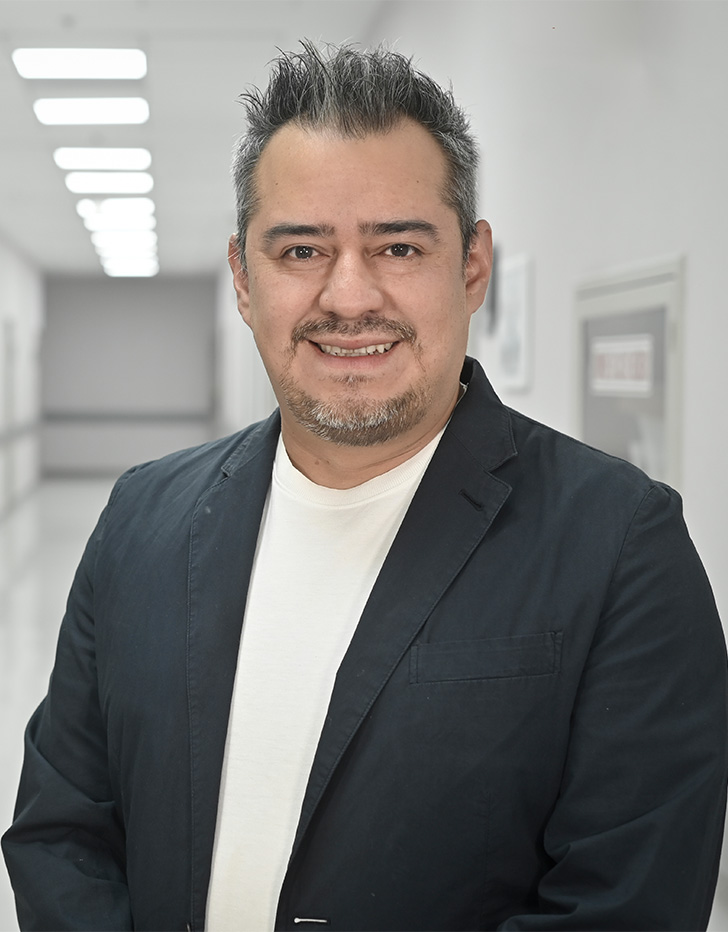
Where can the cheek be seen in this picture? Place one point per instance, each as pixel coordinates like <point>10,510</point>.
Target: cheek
<point>443,313</point>
<point>272,325</point>
<point>279,301</point>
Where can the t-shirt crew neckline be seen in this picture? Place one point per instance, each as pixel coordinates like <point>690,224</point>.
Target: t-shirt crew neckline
<point>293,482</point>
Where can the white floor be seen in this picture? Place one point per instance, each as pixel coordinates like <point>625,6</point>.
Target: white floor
<point>41,542</point>
<point>40,545</point>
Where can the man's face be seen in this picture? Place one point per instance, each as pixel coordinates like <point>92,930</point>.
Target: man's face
<point>355,287</point>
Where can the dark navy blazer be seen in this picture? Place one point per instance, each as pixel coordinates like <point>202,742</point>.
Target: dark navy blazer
<point>528,730</point>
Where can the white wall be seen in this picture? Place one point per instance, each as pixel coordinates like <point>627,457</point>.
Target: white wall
<point>127,371</point>
<point>21,323</point>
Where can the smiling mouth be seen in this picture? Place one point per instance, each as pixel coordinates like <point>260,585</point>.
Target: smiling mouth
<point>373,350</point>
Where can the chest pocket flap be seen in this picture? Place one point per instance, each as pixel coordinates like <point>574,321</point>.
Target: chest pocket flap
<point>486,658</point>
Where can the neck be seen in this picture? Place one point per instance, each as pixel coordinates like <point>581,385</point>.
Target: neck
<point>343,467</point>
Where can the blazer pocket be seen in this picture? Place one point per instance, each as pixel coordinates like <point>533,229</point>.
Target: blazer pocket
<point>486,658</point>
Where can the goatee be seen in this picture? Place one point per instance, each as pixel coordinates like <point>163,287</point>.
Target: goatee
<point>357,422</point>
<point>353,419</point>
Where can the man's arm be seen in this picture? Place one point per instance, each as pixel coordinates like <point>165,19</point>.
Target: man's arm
<point>65,849</point>
<point>636,832</point>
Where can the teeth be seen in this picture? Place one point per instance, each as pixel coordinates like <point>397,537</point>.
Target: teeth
<point>360,351</point>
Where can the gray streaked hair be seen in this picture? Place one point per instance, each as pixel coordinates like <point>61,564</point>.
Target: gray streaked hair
<point>355,93</point>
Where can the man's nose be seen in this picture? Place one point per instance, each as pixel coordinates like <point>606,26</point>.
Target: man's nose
<point>351,288</point>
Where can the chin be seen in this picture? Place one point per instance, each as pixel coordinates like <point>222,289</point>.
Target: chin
<point>358,422</point>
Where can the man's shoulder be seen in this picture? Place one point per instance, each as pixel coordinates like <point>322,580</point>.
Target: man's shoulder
<point>571,471</point>
<point>527,453</point>
<point>532,436</point>
<point>188,473</point>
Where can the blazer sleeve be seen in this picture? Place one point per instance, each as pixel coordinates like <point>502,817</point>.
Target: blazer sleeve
<point>65,849</point>
<point>635,835</point>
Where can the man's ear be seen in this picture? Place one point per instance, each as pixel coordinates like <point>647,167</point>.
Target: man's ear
<point>479,265</point>
<point>240,278</point>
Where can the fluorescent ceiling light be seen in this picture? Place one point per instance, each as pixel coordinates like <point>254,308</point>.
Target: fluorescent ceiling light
<point>119,222</point>
<point>57,111</point>
<point>131,269</point>
<point>121,255</point>
<point>107,259</point>
<point>122,259</point>
<point>112,239</point>
<point>109,182</point>
<point>120,64</point>
<point>117,206</point>
<point>117,159</point>
<point>111,255</point>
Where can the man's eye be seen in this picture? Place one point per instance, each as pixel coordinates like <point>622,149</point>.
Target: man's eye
<point>301,252</point>
<point>401,250</point>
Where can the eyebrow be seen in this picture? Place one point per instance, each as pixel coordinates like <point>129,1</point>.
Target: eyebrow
<point>389,227</point>
<point>296,229</point>
<point>370,228</point>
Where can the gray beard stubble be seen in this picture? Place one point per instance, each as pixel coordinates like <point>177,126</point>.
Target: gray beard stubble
<point>356,422</point>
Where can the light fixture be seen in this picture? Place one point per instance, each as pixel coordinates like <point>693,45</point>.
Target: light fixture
<point>125,240</point>
<point>112,253</point>
<point>56,111</point>
<point>72,64</point>
<point>103,221</point>
<point>109,182</point>
<point>130,268</point>
<point>122,228</point>
<point>109,159</point>
<point>121,206</point>
<point>122,234</point>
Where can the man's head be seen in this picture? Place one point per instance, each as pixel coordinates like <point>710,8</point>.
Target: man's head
<point>354,280</point>
<point>354,94</point>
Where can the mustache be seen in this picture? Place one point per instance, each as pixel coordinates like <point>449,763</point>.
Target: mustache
<point>383,327</point>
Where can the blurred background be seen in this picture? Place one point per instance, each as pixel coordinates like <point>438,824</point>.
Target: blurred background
<point>604,133</point>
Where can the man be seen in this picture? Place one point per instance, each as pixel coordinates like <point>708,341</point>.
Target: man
<point>481,682</point>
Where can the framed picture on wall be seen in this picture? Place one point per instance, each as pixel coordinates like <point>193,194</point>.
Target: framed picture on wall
<point>513,328</point>
<point>629,326</point>
<point>501,333</point>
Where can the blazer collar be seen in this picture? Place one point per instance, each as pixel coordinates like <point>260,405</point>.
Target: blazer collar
<point>481,422</point>
<point>223,538</point>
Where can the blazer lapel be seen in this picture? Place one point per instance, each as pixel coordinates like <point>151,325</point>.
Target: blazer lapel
<point>452,510</point>
<point>223,539</point>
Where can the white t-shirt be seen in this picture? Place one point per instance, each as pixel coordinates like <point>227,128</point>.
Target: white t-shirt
<point>319,553</point>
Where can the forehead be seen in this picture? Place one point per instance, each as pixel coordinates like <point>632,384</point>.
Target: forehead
<point>307,169</point>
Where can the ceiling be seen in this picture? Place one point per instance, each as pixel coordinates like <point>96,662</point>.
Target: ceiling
<point>200,55</point>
